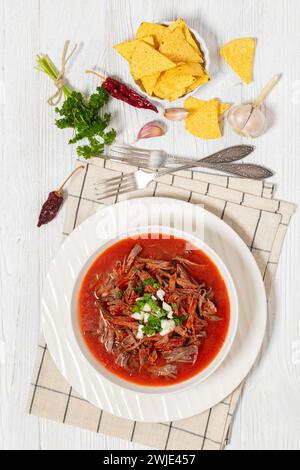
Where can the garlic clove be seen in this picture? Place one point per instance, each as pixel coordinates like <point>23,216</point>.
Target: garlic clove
<point>152,129</point>
<point>175,114</point>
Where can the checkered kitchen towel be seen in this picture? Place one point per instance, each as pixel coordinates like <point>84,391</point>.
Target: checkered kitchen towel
<point>261,222</point>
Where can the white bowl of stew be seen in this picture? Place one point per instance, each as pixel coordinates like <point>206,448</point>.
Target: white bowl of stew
<point>157,310</point>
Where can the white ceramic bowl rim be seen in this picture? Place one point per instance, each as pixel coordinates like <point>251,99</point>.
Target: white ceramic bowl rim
<point>233,323</point>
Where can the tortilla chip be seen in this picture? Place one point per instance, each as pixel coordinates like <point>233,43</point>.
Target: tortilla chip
<point>239,55</point>
<point>174,46</point>
<point>193,105</point>
<point>177,95</point>
<point>126,49</point>
<point>170,97</point>
<point>146,61</point>
<point>151,29</point>
<point>172,85</point>
<point>149,82</point>
<point>187,33</point>
<point>223,108</point>
<point>204,121</point>
<point>190,68</point>
<point>190,39</point>
<point>200,81</point>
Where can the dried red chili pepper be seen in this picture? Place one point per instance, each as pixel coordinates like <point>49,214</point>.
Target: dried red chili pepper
<point>54,201</point>
<point>123,92</point>
<point>51,207</point>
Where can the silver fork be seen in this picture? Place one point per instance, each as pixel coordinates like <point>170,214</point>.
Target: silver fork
<point>147,158</point>
<point>140,179</point>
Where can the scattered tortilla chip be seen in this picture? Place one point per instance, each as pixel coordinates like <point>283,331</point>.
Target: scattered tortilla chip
<point>174,46</point>
<point>223,108</point>
<point>239,55</point>
<point>193,104</point>
<point>151,29</point>
<point>146,61</point>
<point>187,33</point>
<point>203,120</point>
<point>149,82</point>
<point>126,49</point>
<point>200,81</point>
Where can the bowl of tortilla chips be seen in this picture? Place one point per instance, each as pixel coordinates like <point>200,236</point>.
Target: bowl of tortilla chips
<point>167,60</point>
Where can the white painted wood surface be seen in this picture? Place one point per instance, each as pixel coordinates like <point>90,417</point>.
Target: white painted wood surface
<point>35,158</point>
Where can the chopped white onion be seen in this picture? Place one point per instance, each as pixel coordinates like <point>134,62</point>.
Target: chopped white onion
<point>146,316</point>
<point>140,333</point>
<point>166,307</point>
<point>137,316</point>
<point>167,326</point>
<point>146,308</point>
<point>160,294</point>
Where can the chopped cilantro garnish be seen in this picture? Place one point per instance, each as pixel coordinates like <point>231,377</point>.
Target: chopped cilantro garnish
<point>139,289</point>
<point>135,308</point>
<point>154,322</point>
<point>179,320</point>
<point>119,294</point>
<point>147,297</point>
<point>149,331</point>
<point>151,282</point>
<point>154,305</point>
<point>153,326</point>
<point>140,303</point>
<point>161,313</point>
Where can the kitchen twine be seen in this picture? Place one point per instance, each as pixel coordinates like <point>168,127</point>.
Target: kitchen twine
<point>59,82</point>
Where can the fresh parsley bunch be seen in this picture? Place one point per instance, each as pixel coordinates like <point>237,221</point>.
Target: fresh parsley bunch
<point>83,115</point>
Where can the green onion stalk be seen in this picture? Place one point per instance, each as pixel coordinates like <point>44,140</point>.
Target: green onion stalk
<point>45,65</point>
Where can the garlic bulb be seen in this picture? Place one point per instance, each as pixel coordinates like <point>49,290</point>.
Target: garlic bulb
<point>152,129</point>
<point>175,114</point>
<point>247,121</point>
<point>239,115</point>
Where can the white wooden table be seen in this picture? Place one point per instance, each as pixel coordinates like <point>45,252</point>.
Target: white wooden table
<point>35,158</point>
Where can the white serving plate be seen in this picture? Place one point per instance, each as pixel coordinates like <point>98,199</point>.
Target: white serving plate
<point>59,312</point>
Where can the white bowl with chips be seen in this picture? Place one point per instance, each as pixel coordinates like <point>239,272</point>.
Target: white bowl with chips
<point>203,46</point>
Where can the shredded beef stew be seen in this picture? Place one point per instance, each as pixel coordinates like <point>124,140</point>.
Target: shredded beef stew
<point>154,311</point>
